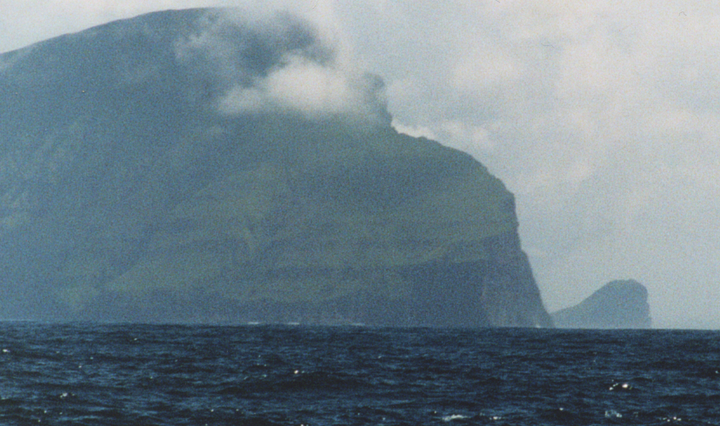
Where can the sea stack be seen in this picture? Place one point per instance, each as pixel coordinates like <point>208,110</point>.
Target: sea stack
<point>618,304</point>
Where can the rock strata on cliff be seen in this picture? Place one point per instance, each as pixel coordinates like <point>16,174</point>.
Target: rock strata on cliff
<point>618,304</point>
<point>156,169</point>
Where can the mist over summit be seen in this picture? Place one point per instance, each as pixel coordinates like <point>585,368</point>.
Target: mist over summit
<point>197,166</point>
<point>237,65</point>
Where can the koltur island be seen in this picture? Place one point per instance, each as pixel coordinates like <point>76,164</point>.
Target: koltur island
<point>197,166</point>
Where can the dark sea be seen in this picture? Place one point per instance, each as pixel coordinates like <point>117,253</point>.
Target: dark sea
<point>85,374</point>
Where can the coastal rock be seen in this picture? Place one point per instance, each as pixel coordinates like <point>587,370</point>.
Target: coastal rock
<point>152,171</point>
<point>618,304</point>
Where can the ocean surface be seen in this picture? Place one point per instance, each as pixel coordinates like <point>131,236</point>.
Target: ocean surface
<point>85,374</point>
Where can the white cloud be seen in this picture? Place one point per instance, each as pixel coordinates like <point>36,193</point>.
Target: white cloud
<point>300,85</point>
<point>414,131</point>
<point>288,66</point>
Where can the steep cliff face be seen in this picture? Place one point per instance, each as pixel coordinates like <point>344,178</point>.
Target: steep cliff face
<point>146,178</point>
<point>618,304</point>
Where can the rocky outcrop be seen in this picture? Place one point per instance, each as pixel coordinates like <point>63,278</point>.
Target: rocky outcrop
<point>618,304</point>
<point>151,171</point>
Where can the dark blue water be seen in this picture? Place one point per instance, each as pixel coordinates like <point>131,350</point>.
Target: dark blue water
<point>270,375</point>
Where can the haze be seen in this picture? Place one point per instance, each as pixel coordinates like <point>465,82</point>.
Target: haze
<point>602,118</point>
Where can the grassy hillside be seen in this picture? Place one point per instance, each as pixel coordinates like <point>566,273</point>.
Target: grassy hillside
<point>127,193</point>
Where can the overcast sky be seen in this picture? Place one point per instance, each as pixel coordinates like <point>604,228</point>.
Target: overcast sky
<point>602,117</point>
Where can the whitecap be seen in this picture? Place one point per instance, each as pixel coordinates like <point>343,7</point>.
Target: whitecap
<point>621,387</point>
<point>612,414</point>
<point>454,417</point>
